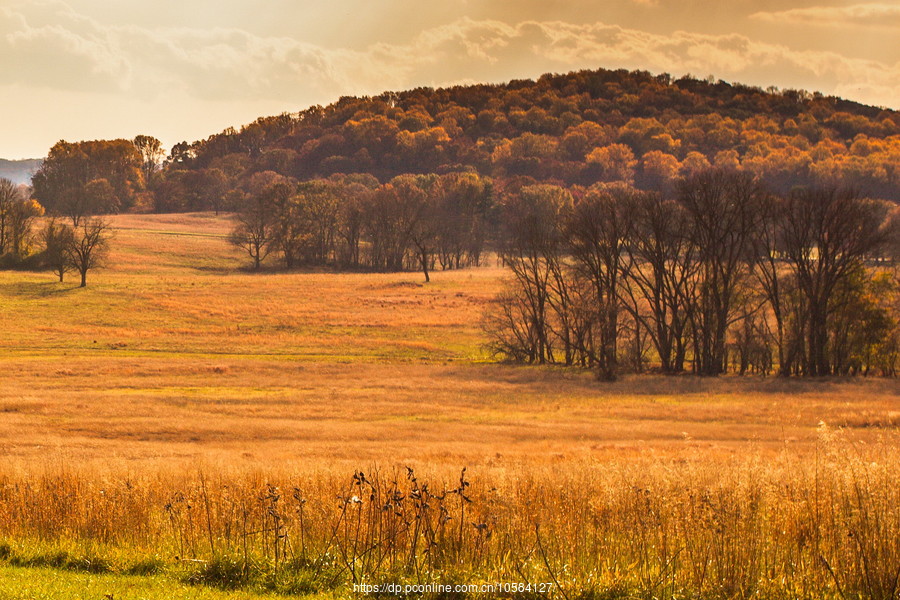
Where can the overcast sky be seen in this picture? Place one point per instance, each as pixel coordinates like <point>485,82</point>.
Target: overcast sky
<point>184,69</point>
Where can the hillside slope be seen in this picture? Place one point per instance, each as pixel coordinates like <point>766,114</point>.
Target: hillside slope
<point>573,129</point>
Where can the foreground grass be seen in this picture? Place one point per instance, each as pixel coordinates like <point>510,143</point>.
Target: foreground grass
<point>780,527</point>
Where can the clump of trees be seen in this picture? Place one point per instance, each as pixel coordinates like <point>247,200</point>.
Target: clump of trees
<point>90,178</point>
<point>60,245</point>
<point>76,185</point>
<point>723,276</point>
<point>352,222</point>
<point>17,214</point>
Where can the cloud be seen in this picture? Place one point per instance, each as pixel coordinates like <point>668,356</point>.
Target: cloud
<point>556,46</point>
<point>52,46</point>
<point>47,44</point>
<point>866,15</point>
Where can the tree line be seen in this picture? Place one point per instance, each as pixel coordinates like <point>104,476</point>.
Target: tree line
<point>417,179</point>
<point>353,222</point>
<point>724,275</point>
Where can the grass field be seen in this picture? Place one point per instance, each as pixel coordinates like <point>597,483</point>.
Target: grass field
<point>181,413</point>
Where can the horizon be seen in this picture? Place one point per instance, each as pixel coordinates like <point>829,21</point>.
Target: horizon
<point>83,70</point>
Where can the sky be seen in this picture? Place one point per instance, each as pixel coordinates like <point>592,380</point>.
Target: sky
<point>186,69</point>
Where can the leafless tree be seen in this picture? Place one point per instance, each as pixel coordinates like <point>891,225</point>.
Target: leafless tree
<point>58,237</point>
<point>771,272</point>
<point>827,235</point>
<point>598,232</point>
<point>724,210</point>
<point>89,246</point>
<point>532,246</point>
<point>660,267</point>
<point>255,229</point>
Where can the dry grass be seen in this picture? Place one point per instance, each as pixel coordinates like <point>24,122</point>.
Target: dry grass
<point>645,527</point>
<point>176,379</point>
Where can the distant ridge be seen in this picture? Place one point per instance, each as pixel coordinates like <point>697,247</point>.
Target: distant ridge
<point>19,171</point>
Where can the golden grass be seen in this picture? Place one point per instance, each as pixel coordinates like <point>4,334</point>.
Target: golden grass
<point>175,374</point>
<point>248,410</point>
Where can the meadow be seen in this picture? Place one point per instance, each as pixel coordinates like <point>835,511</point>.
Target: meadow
<point>184,428</point>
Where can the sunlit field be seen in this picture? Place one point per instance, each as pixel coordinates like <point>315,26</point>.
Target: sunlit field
<point>184,428</point>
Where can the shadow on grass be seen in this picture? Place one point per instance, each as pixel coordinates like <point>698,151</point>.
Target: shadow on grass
<point>556,378</point>
<point>37,289</point>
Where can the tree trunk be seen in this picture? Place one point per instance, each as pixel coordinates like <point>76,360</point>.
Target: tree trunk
<point>817,360</point>
<point>423,257</point>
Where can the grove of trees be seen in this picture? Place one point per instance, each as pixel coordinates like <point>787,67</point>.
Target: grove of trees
<point>89,178</point>
<point>353,222</point>
<point>58,244</point>
<point>722,276</point>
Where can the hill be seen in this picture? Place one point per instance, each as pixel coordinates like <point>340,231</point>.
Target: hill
<point>572,129</point>
<point>19,171</point>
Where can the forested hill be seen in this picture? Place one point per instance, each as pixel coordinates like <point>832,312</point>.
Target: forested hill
<point>19,171</point>
<point>578,128</point>
<point>570,130</point>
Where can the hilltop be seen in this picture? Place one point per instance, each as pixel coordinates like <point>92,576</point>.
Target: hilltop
<point>572,129</point>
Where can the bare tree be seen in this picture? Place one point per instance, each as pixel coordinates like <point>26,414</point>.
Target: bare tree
<point>827,235</point>
<point>350,223</point>
<point>724,209</point>
<point>58,237</point>
<point>426,222</point>
<point>255,229</point>
<point>660,266</point>
<point>770,271</point>
<point>89,245</point>
<point>598,231</point>
<point>532,245</point>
